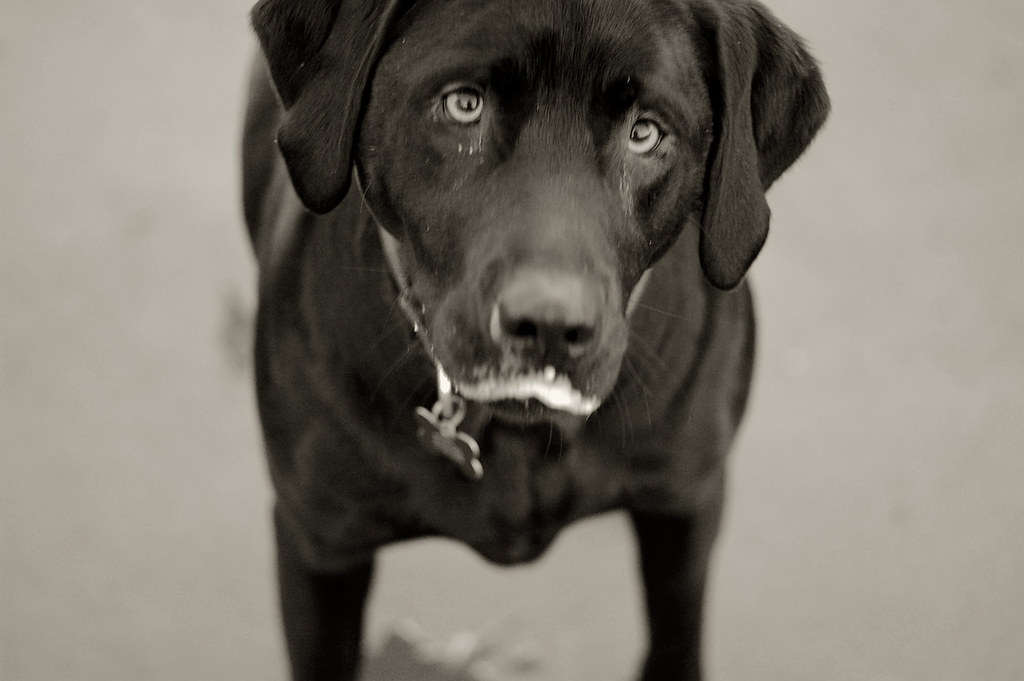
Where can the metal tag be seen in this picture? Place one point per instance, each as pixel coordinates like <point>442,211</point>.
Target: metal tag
<point>438,430</point>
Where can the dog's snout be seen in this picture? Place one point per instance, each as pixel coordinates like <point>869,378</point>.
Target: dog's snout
<point>547,314</point>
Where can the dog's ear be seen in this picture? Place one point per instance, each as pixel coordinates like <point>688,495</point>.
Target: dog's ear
<point>769,101</point>
<point>321,55</point>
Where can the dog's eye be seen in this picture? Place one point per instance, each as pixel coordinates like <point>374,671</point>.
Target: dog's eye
<point>645,136</point>
<point>463,105</point>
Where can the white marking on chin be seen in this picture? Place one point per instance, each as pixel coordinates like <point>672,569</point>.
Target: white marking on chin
<point>553,390</point>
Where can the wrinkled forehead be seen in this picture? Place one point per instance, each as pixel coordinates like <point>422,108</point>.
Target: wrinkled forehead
<point>552,43</point>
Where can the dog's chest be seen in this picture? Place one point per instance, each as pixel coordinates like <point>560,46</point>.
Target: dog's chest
<point>528,493</point>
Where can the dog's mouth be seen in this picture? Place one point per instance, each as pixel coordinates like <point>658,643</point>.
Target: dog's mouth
<point>527,390</point>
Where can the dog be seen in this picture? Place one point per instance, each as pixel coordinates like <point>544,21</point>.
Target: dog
<point>502,247</point>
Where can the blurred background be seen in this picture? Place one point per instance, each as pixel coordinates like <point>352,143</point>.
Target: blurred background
<point>875,529</point>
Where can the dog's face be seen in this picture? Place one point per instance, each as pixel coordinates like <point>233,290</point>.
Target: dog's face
<point>534,158</point>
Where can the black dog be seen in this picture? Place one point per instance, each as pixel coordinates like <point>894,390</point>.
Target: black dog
<point>527,308</point>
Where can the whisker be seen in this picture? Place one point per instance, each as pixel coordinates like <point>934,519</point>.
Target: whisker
<point>551,439</point>
<point>616,402</point>
<point>643,391</point>
<point>643,351</point>
<point>424,384</point>
<point>394,367</point>
<point>420,387</point>
<point>672,315</point>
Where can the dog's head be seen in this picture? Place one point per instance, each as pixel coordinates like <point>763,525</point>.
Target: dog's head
<point>534,158</point>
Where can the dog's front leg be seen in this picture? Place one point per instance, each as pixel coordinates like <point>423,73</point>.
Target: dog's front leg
<point>674,554</point>
<point>322,613</point>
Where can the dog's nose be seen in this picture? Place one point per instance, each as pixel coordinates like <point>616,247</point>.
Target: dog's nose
<point>547,314</point>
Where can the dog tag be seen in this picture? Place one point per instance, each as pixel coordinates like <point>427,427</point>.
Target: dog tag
<point>438,430</point>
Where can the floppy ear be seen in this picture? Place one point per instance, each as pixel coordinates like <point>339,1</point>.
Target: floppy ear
<point>769,102</point>
<point>321,55</point>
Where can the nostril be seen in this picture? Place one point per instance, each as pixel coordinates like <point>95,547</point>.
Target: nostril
<point>524,328</point>
<point>548,334</point>
<point>543,313</point>
<point>504,324</point>
<point>578,335</point>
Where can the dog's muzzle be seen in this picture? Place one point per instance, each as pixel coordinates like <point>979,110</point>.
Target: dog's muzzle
<point>543,319</point>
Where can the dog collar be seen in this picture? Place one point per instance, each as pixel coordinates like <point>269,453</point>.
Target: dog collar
<point>437,428</point>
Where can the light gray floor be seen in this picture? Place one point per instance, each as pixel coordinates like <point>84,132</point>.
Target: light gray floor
<point>876,525</point>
